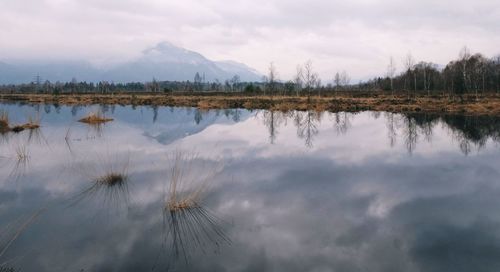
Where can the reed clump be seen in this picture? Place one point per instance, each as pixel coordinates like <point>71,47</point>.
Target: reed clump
<point>191,226</point>
<point>5,126</point>
<point>4,119</point>
<point>112,179</point>
<point>22,160</point>
<point>109,181</point>
<point>33,122</point>
<point>95,118</point>
<point>188,181</point>
<point>22,154</point>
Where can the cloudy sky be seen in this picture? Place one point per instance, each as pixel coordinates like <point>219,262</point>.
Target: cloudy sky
<point>357,36</point>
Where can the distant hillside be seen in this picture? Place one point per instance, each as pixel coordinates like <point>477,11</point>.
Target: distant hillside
<point>164,61</point>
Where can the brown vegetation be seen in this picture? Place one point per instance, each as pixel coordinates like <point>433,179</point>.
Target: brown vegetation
<point>112,179</point>
<point>109,180</point>
<point>95,118</point>
<point>4,119</point>
<point>187,182</point>
<point>190,225</point>
<point>489,104</point>
<point>32,124</point>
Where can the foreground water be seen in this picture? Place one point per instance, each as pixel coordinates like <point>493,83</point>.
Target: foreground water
<point>297,191</point>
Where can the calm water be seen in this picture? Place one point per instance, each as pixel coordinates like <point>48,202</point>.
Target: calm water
<point>300,191</point>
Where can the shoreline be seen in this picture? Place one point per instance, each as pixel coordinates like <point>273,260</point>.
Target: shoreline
<point>488,104</point>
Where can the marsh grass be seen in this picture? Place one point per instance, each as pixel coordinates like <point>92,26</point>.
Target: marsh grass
<point>11,232</point>
<point>22,153</point>
<point>350,101</point>
<point>21,161</point>
<point>195,228</point>
<point>189,180</point>
<point>35,135</point>
<point>109,180</point>
<point>191,226</point>
<point>4,120</point>
<point>94,118</point>
<point>4,125</point>
<point>33,123</point>
<point>95,121</point>
<point>4,136</point>
<point>67,140</point>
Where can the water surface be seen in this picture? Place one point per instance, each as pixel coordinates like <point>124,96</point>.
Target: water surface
<point>298,191</point>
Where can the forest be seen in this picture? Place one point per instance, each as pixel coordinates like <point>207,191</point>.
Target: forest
<point>471,74</point>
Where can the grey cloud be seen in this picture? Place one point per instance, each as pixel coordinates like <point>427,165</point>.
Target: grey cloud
<point>361,34</point>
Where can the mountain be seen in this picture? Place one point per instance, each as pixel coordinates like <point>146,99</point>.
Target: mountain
<point>164,61</point>
<point>240,69</point>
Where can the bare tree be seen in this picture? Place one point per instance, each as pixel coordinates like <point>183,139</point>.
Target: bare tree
<point>345,79</point>
<point>272,79</point>
<point>307,125</point>
<point>391,128</point>
<point>409,65</point>
<point>309,77</point>
<point>155,86</point>
<point>391,70</point>
<point>298,79</point>
<point>272,120</point>
<point>197,81</point>
<point>337,81</point>
<point>464,57</point>
<point>341,122</point>
<point>235,81</point>
<point>410,133</point>
<point>318,86</point>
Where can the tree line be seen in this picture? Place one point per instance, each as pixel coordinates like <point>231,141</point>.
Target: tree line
<point>468,74</point>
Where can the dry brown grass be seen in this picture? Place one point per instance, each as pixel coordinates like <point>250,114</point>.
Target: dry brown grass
<point>112,179</point>
<point>22,160</point>
<point>4,119</point>
<point>22,153</point>
<point>95,118</point>
<point>189,179</point>
<point>191,227</point>
<point>108,178</point>
<point>488,104</point>
<point>32,124</point>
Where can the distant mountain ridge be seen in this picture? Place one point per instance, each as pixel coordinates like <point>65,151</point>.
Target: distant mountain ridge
<point>164,62</point>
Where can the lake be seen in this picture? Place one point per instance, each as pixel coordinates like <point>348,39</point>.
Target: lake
<point>296,191</point>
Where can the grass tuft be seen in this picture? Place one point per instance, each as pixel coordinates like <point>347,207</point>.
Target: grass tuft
<point>109,181</point>
<point>4,119</point>
<point>112,179</point>
<point>95,118</point>
<point>32,124</point>
<point>189,179</point>
<point>191,226</point>
<point>22,159</point>
<point>22,154</point>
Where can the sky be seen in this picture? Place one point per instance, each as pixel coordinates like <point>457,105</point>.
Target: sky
<point>357,36</point>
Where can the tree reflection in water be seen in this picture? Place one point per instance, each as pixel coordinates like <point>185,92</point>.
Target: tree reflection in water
<point>273,120</point>
<point>307,125</point>
<point>469,131</point>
